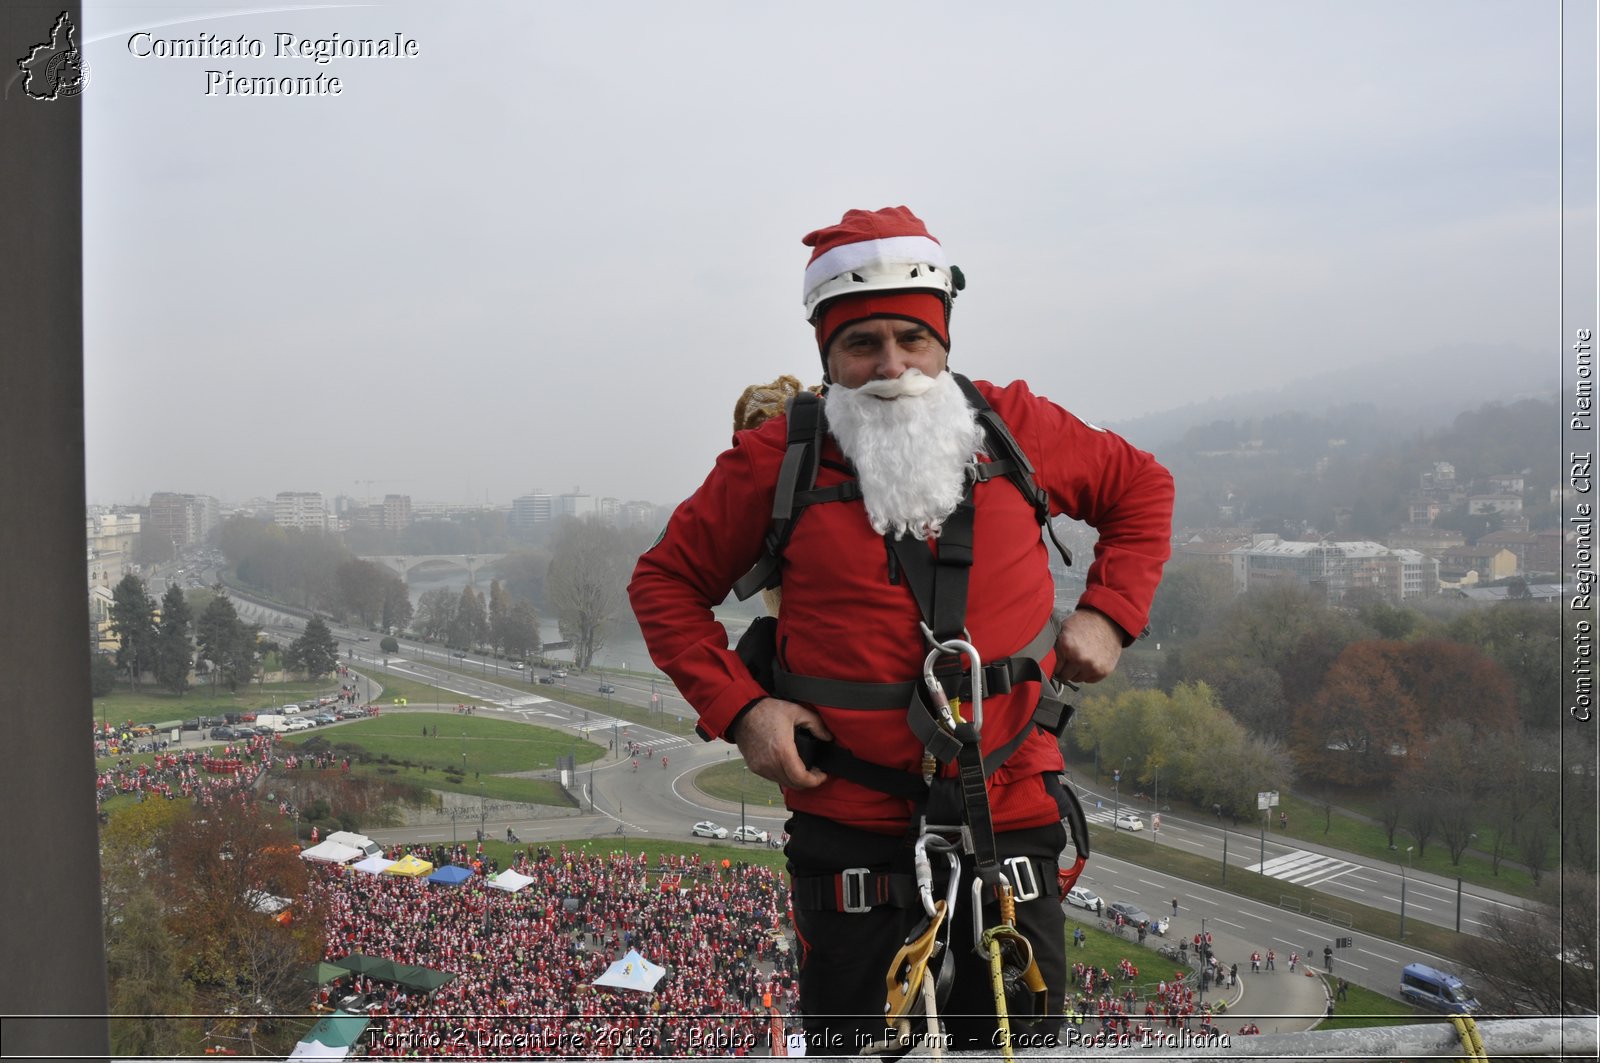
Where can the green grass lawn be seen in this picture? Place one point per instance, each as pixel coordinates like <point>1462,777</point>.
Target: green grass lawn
<point>732,781</point>
<point>486,746</point>
<point>1364,1007</point>
<point>149,705</point>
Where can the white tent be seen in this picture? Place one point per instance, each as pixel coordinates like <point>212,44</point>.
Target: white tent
<point>633,971</point>
<point>509,880</point>
<point>332,853</point>
<point>374,865</point>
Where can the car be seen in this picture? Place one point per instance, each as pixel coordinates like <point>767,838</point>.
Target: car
<point>518,665</point>
<point>366,638</point>
<point>560,673</point>
<point>225,733</point>
<point>748,833</point>
<point>707,829</point>
<point>351,712</point>
<point>190,725</point>
<point>1129,821</point>
<point>300,724</point>
<point>1080,897</point>
<point>548,680</point>
<point>607,688</point>
<point>289,709</point>
<point>1136,916</point>
<point>322,719</point>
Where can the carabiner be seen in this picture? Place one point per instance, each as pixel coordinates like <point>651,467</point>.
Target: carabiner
<point>941,703</point>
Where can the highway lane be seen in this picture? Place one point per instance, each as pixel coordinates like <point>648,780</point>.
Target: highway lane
<point>1338,874</point>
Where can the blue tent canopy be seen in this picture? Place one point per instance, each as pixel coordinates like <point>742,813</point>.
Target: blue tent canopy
<point>451,875</point>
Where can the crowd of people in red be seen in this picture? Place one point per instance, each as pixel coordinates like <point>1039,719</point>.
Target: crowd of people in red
<point>207,775</point>
<point>525,962</point>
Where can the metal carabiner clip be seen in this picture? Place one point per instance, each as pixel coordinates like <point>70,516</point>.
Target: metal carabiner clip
<point>941,703</point>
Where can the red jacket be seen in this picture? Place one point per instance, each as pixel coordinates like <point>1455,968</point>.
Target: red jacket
<point>841,618</point>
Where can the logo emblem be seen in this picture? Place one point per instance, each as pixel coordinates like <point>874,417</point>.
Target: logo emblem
<point>55,70</point>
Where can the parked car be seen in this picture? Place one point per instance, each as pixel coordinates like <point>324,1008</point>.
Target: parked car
<point>707,829</point>
<point>300,723</point>
<point>748,833</point>
<point>1129,821</point>
<point>289,709</point>
<point>607,688</point>
<point>322,719</point>
<point>1080,897</point>
<point>225,733</point>
<point>1136,916</point>
<point>190,725</point>
<point>351,712</point>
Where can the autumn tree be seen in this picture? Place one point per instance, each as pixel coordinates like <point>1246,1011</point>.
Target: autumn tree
<point>362,585</point>
<point>587,582</point>
<point>1190,597</point>
<point>1541,958</point>
<point>1355,730</point>
<point>396,614</point>
<point>219,866</point>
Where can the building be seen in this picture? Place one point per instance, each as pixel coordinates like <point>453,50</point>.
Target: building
<point>1424,538</point>
<point>113,544</point>
<point>182,520</point>
<point>396,512</point>
<point>1336,569</point>
<point>300,509</point>
<point>531,509</point>
<point>576,505</point>
<point>1482,505</point>
<point>1490,561</point>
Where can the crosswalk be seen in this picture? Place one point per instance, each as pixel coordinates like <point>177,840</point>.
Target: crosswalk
<point>1306,869</point>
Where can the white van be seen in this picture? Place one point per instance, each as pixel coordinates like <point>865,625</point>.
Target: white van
<point>271,721</point>
<point>358,841</point>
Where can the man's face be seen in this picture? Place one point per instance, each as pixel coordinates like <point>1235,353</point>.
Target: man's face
<point>883,348</point>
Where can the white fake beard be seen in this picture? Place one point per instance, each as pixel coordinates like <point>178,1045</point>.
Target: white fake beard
<point>910,448</point>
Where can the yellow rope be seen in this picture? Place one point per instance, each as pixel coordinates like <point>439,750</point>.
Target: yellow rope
<point>1000,997</point>
<point>1467,1030</point>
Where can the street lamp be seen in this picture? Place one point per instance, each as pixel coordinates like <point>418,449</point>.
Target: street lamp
<point>1116,796</point>
<point>1403,871</point>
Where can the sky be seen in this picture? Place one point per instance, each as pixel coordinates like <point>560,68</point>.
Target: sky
<point>548,251</point>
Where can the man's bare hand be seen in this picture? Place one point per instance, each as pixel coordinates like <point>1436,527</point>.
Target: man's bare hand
<point>1088,648</point>
<point>765,737</point>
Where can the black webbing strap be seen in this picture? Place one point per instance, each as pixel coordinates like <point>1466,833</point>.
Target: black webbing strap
<point>975,803</point>
<point>834,759</point>
<point>1014,461</point>
<point>939,583</point>
<point>797,477</point>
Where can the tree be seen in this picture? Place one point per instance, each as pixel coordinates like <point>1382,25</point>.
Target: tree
<point>213,867</point>
<point>174,651</point>
<point>361,589</point>
<point>396,604</point>
<point>1525,641</point>
<point>587,583</point>
<point>1359,726</point>
<point>1539,959</point>
<point>471,624</point>
<point>499,613</point>
<point>436,613</point>
<point>388,644</point>
<point>216,634</point>
<point>133,622</point>
<point>1188,600</point>
<point>102,674</point>
<point>315,652</point>
<point>520,634</point>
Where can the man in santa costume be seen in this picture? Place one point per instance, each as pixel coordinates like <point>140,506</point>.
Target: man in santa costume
<point>913,531</point>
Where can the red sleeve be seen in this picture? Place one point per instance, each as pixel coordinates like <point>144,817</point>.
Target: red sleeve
<point>711,540</point>
<point>1100,478</point>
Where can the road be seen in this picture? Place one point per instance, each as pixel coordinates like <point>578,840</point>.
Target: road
<point>1339,875</point>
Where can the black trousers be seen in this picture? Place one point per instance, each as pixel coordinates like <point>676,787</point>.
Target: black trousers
<point>845,956</point>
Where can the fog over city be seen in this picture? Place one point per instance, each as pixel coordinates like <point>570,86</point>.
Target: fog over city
<point>549,249</point>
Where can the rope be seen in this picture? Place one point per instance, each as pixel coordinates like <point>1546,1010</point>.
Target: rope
<point>1467,1029</point>
<point>1001,1013</point>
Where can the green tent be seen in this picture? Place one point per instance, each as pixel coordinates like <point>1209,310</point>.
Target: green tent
<point>422,977</point>
<point>323,973</point>
<point>371,966</point>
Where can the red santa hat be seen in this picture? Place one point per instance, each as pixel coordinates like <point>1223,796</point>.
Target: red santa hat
<point>879,263</point>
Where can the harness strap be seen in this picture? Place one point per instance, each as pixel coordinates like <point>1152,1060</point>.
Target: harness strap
<point>859,889</point>
<point>797,476</point>
<point>1021,472</point>
<point>939,583</point>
